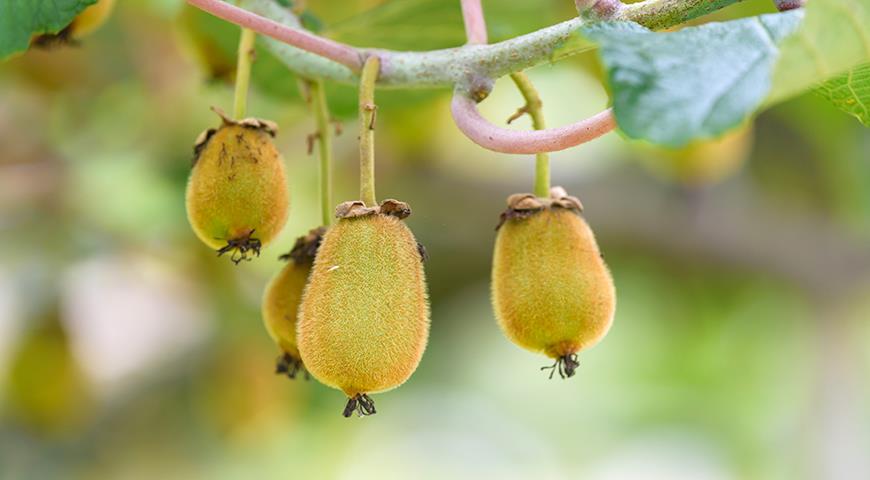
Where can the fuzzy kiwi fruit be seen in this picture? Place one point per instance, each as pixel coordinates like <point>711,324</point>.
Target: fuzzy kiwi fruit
<point>237,197</point>
<point>551,290</point>
<point>282,297</point>
<point>364,317</point>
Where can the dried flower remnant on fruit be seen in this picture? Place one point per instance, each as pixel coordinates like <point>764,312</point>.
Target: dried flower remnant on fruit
<point>237,198</point>
<point>362,404</point>
<point>364,317</point>
<point>281,300</point>
<point>551,291</point>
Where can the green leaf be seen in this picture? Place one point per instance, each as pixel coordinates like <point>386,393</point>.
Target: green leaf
<point>21,19</point>
<point>405,25</point>
<point>834,38</point>
<point>698,82</point>
<point>850,92</point>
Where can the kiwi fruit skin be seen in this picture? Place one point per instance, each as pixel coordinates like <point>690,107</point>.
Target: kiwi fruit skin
<point>237,187</point>
<point>364,318</point>
<point>281,302</point>
<point>283,294</point>
<point>551,290</point>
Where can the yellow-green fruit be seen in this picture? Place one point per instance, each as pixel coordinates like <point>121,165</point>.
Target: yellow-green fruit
<point>702,162</point>
<point>551,289</point>
<point>237,198</point>
<point>46,389</point>
<point>282,298</point>
<point>364,318</point>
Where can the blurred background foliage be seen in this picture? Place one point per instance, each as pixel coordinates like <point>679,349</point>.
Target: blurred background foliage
<point>741,346</point>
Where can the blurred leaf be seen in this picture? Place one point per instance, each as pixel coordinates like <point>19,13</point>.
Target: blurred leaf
<point>404,25</point>
<point>834,37</point>
<point>211,41</point>
<point>850,92</point>
<point>214,42</point>
<point>23,19</point>
<point>698,82</point>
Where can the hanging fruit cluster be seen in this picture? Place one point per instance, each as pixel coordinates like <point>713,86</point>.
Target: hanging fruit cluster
<point>350,307</point>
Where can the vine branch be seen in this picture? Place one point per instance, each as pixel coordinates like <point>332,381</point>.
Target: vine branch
<point>504,140</point>
<point>482,132</point>
<point>475,24</point>
<point>470,68</point>
<point>315,57</point>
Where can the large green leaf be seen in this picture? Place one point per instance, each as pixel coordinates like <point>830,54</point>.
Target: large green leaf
<point>850,92</point>
<point>698,82</point>
<point>21,19</point>
<point>834,38</point>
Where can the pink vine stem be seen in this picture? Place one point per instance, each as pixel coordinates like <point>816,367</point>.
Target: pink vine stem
<point>489,136</point>
<point>339,52</point>
<point>504,140</point>
<point>475,25</point>
<point>464,109</point>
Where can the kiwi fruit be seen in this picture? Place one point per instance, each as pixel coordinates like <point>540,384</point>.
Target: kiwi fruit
<point>364,317</point>
<point>551,290</point>
<point>46,389</point>
<point>282,297</point>
<point>237,196</point>
<point>702,162</point>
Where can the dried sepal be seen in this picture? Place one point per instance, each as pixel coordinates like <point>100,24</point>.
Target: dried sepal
<point>203,138</point>
<point>356,208</point>
<point>305,248</point>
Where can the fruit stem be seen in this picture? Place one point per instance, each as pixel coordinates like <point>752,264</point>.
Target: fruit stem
<point>243,72</point>
<point>324,141</point>
<point>533,107</point>
<point>367,108</point>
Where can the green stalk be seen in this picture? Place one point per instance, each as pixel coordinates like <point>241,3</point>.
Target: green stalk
<point>368,77</point>
<point>324,141</point>
<point>533,108</point>
<point>243,72</point>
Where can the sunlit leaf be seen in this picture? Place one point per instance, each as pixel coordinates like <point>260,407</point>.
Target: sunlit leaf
<point>850,92</point>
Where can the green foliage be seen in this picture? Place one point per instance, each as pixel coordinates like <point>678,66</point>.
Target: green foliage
<point>408,25</point>
<point>21,19</point>
<point>670,88</point>
<point>834,38</point>
<point>850,92</point>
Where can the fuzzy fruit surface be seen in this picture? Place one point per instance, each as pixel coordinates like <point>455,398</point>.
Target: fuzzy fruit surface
<point>364,318</point>
<point>281,302</point>
<point>91,18</point>
<point>237,186</point>
<point>551,290</point>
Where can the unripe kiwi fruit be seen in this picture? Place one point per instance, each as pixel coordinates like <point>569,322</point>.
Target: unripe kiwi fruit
<point>364,318</point>
<point>282,297</point>
<point>237,197</point>
<point>551,290</point>
<point>702,162</point>
<point>88,20</point>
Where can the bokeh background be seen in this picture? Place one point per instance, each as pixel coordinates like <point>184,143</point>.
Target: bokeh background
<point>740,348</point>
